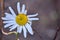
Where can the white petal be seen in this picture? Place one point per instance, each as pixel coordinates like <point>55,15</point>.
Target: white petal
<point>8,14</point>
<point>7,25</point>
<point>23,8</point>
<point>19,29</point>
<point>32,15</point>
<point>30,22</point>
<point>18,7</point>
<point>13,27</point>
<point>8,22</point>
<point>24,32</point>
<point>33,18</point>
<point>25,11</point>
<point>5,18</point>
<point>29,28</point>
<point>12,11</point>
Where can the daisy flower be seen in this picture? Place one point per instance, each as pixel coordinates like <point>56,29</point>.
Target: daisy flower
<point>22,21</point>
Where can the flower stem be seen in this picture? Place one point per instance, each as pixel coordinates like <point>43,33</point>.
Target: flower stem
<point>16,36</point>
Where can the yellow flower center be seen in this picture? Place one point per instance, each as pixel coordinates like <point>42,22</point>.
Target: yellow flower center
<point>21,19</point>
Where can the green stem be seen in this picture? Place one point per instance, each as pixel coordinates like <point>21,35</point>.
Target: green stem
<point>16,36</point>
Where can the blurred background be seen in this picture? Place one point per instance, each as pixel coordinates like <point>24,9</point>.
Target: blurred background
<point>47,28</point>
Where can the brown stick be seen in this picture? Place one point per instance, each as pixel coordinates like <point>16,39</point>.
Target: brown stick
<point>2,6</point>
<point>2,11</point>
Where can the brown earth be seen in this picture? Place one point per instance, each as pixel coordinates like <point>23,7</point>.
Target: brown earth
<point>47,28</point>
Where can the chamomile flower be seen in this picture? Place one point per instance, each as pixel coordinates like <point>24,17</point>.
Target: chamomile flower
<point>22,21</point>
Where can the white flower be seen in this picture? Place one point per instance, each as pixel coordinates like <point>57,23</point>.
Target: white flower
<point>22,21</point>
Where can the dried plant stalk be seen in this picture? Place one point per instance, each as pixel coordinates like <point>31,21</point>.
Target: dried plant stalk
<point>2,5</point>
<point>8,32</point>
